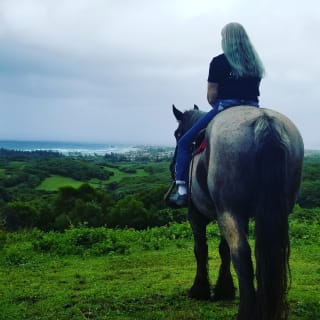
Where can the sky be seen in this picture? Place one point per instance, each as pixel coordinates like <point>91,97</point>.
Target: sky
<point>110,70</point>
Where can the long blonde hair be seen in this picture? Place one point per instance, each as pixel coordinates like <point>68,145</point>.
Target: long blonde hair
<point>239,51</point>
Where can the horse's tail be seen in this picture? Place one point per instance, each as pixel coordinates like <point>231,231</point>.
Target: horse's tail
<point>272,247</point>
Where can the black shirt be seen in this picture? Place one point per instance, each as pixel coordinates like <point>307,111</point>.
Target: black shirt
<point>231,86</point>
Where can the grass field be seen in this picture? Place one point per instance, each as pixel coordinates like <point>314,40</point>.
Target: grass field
<point>118,175</point>
<point>16,164</point>
<point>53,183</point>
<point>141,283</point>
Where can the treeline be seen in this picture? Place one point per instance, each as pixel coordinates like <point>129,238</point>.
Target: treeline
<point>68,167</point>
<point>89,206</point>
<point>35,169</point>
<point>18,155</point>
<point>133,200</point>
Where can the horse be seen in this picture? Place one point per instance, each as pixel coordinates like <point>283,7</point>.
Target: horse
<point>250,169</point>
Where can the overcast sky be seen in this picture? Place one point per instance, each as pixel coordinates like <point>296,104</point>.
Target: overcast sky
<point>110,70</point>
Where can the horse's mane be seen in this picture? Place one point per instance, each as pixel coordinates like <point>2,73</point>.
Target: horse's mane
<point>192,116</point>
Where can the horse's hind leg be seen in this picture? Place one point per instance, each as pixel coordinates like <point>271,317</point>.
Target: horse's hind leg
<point>224,288</point>
<point>201,286</point>
<point>235,232</point>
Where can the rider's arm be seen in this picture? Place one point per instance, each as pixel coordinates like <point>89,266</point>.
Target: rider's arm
<point>212,92</point>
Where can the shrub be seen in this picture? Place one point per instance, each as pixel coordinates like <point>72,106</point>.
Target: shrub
<point>17,253</point>
<point>305,214</point>
<point>83,241</point>
<point>309,196</point>
<point>299,232</point>
<point>18,215</point>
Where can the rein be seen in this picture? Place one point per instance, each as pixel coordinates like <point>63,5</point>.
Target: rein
<point>167,194</point>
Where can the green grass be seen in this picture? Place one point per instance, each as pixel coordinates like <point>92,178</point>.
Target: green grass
<point>141,283</point>
<point>151,285</point>
<point>118,175</point>
<point>16,164</point>
<point>53,183</point>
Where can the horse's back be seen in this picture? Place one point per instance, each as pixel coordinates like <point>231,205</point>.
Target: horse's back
<point>234,138</point>
<point>235,128</point>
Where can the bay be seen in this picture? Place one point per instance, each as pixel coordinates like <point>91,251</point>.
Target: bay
<point>68,148</point>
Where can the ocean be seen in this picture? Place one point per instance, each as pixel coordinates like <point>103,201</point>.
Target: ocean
<point>68,148</point>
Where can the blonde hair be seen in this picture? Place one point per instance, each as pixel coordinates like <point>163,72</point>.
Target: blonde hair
<point>239,51</point>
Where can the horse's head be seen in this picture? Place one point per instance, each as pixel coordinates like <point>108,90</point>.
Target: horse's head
<point>185,120</point>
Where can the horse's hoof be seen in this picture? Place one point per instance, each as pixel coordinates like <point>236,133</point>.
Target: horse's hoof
<point>224,294</point>
<point>199,293</point>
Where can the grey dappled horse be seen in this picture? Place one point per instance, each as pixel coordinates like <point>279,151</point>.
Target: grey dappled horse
<point>251,168</point>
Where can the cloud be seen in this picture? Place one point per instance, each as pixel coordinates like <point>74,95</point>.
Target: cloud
<point>100,67</point>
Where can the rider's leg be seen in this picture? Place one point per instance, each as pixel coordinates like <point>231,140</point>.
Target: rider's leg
<point>184,155</point>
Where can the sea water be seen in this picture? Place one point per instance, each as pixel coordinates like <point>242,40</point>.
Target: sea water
<point>68,148</point>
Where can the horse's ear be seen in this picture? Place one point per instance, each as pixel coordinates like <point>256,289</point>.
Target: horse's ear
<point>196,107</point>
<point>177,113</point>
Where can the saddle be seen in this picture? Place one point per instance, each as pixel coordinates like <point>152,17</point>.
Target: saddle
<point>200,143</point>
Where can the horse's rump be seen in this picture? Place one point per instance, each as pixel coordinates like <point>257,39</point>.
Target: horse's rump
<point>235,139</point>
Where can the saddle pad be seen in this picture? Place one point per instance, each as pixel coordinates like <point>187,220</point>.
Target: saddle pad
<point>200,147</point>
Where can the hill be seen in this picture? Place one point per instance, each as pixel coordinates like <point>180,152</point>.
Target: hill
<point>90,238</point>
<point>126,274</point>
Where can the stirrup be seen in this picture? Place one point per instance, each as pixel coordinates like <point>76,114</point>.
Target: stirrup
<point>178,201</point>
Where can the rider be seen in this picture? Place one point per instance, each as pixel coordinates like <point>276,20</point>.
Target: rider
<point>234,79</point>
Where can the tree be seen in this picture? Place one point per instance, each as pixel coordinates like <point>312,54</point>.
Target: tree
<point>19,215</point>
<point>87,212</point>
<point>128,212</point>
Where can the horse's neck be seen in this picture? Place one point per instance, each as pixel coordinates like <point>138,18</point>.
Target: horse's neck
<point>195,116</point>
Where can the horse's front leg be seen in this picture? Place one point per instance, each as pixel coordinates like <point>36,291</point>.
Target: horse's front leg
<point>201,286</point>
